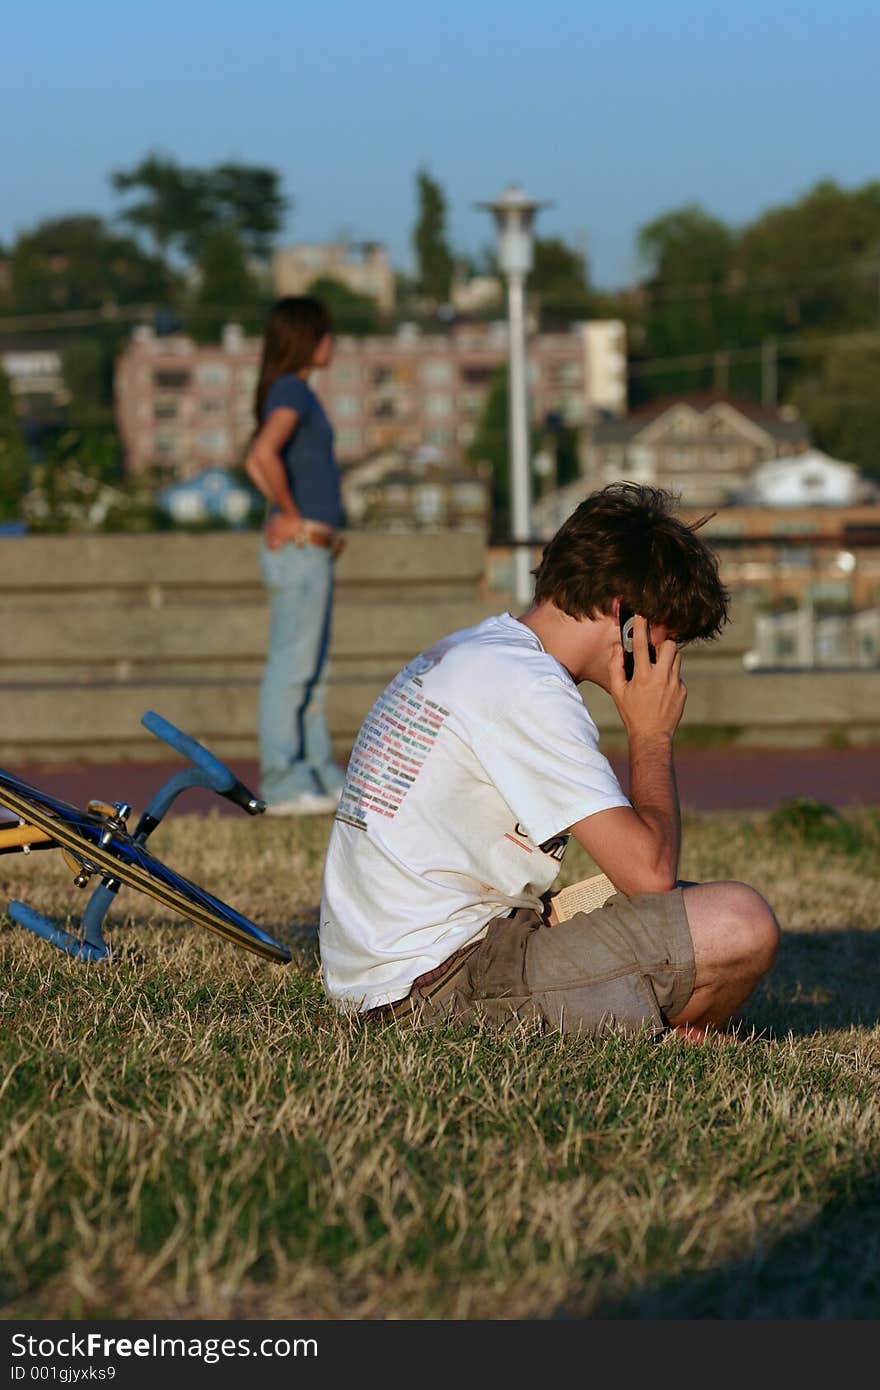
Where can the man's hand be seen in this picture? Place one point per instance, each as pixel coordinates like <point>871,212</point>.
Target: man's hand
<point>652,703</point>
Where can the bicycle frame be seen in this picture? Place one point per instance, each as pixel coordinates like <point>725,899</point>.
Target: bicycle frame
<point>102,826</point>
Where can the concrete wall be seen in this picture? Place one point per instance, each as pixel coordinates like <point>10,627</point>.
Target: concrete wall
<point>94,630</point>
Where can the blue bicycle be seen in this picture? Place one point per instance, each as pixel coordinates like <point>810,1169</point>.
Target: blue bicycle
<point>96,843</point>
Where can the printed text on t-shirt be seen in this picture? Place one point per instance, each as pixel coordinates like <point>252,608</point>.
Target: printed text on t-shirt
<point>391,748</point>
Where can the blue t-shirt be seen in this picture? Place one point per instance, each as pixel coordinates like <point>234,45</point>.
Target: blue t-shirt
<point>309,460</point>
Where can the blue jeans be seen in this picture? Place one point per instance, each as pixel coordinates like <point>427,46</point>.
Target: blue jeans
<point>295,751</point>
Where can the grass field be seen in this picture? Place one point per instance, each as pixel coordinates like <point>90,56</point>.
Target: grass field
<point>190,1132</point>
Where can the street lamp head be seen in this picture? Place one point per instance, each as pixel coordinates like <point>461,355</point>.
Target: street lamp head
<point>514,214</point>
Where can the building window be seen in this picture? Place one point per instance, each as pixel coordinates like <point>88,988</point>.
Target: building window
<point>430,503</point>
<point>574,408</point>
<point>214,441</point>
<point>349,440</point>
<point>346,406</point>
<point>437,373</point>
<point>166,410</point>
<point>346,373</point>
<point>166,444</point>
<point>171,380</point>
<point>212,374</point>
<point>477,374</point>
<point>212,406</point>
<point>442,438</point>
<point>438,406</point>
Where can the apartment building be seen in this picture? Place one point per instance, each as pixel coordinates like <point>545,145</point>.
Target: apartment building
<point>363,267</point>
<point>184,407</point>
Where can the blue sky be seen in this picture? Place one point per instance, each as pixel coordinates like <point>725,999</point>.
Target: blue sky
<point>614,112</point>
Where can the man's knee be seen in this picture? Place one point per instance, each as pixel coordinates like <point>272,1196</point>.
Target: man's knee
<point>757,924</point>
<point>734,924</point>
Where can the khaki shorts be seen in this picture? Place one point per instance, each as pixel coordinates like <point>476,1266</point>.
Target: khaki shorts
<point>627,965</point>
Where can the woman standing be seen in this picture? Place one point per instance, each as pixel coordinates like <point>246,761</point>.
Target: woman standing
<point>292,462</point>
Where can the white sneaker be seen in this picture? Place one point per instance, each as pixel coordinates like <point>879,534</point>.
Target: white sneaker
<point>306,804</point>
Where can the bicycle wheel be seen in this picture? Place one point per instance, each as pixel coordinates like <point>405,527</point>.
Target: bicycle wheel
<point>114,854</point>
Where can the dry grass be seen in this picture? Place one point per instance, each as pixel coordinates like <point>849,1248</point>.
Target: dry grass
<point>191,1132</point>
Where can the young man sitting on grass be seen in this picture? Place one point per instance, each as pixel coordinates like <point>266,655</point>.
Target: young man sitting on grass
<point>480,760</point>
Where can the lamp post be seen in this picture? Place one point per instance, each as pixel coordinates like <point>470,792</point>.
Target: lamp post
<point>514,213</point>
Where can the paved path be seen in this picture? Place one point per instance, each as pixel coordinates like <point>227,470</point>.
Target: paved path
<point>727,779</point>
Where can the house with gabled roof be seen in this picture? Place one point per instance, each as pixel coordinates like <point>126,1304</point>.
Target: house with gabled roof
<point>705,447</point>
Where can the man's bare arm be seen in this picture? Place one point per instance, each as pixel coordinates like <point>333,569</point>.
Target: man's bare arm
<point>638,848</point>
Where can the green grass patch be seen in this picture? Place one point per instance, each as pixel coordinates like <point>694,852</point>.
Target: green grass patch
<point>190,1132</point>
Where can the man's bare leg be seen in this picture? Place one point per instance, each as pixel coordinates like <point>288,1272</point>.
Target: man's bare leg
<point>736,937</point>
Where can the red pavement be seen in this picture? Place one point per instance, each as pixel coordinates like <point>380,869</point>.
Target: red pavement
<point>718,779</point>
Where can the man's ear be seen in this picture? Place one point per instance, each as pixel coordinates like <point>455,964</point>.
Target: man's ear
<point>615,609</point>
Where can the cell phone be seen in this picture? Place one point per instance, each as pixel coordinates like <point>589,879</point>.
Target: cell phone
<point>627,618</point>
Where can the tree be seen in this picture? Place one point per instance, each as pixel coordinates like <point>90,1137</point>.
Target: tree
<point>686,247</point>
<point>248,198</point>
<point>841,404</point>
<point>351,312</point>
<point>226,286</point>
<point>175,210</point>
<point>87,371</point>
<point>182,207</point>
<point>490,445</point>
<point>79,263</point>
<point>688,309</point>
<point>13,456</point>
<point>433,256</point>
<point>811,266</point>
<point>559,279</point>
<point>816,262</point>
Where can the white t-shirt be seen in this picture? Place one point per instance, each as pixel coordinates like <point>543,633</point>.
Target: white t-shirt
<point>465,777</point>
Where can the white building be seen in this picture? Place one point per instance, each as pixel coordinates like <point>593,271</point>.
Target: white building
<point>811,479</point>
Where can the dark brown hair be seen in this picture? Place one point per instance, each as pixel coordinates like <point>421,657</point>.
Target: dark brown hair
<point>295,327</point>
<point>624,542</point>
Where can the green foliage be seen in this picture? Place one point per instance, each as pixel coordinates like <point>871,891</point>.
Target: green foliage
<point>181,207</point>
<point>816,824</point>
<point>77,486</point>
<point>69,263</point>
<point>247,198</point>
<point>817,259</point>
<point>840,401</point>
<point>803,268</point>
<point>559,280</point>
<point>688,256</point>
<point>686,246</point>
<point>87,369</point>
<point>13,456</point>
<point>434,258</point>
<point>490,445</point>
<point>226,287</point>
<point>351,312</point>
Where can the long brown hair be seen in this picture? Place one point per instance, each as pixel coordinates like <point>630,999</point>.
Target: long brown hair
<point>295,327</point>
